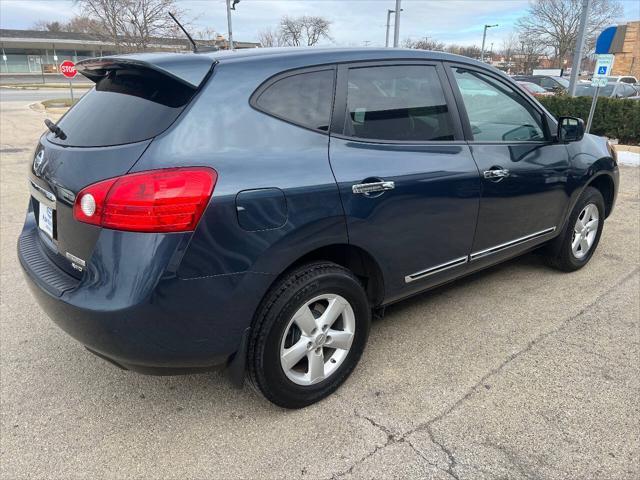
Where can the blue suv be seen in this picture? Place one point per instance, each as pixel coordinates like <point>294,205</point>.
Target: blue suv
<point>251,210</point>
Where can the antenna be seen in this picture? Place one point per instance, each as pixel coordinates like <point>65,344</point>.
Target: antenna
<point>195,47</point>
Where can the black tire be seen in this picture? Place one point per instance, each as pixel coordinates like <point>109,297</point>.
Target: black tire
<point>279,305</point>
<point>559,253</point>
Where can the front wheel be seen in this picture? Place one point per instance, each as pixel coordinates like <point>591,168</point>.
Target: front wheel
<point>309,334</point>
<point>575,246</point>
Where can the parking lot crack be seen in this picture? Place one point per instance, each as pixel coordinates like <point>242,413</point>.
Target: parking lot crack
<point>390,438</point>
<point>393,438</point>
<point>451,458</point>
<point>428,425</point>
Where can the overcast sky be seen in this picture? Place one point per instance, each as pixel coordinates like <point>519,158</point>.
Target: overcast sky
<point>354,22</point>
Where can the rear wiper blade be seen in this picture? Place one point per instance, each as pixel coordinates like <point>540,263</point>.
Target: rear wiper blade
<point>55,129</point>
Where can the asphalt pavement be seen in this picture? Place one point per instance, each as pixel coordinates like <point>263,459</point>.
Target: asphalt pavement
<point>517,372</point>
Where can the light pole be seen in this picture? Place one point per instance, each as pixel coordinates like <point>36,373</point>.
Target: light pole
<point>231,5</point>
<point>484,37</point>
<point>396,26</point>
<point>386,40</point>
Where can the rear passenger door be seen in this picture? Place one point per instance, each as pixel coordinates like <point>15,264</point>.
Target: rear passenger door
<point>407,179</point>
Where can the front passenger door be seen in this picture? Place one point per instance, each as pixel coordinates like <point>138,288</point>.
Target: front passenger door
<point>524,172</point>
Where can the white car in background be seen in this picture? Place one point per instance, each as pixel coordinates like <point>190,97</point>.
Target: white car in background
<point>622,79</point>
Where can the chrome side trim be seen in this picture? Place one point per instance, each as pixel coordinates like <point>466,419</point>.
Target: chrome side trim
<point>437,269</point>
<point>42,195</point>
<point>512,243</point>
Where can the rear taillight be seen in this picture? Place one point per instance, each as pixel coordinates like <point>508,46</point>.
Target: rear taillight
<point>170,200</point>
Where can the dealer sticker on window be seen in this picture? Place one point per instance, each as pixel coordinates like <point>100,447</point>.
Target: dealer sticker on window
<point>45,220</point>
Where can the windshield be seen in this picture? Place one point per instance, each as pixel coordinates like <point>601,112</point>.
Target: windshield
<point>532,87</point>
<point>584,90</point>
<point>562,81</point>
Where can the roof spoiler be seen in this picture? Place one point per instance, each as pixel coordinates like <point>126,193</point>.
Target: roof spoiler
<point>189,69</point>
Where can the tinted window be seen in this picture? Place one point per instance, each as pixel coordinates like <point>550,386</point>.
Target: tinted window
<point>547,82</point>
<point>586,90</point>
<point>564,83</point>
<point>627,90</point>
<point>304,99</point>
<point>124,107</point>
<point>404,103</point>
<point>496,111</point>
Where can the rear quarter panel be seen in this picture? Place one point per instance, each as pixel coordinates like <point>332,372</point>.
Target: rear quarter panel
<point>251,150</point>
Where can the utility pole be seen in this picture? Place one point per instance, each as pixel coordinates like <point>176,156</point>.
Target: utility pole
<point>577,56</point>
<point>229,23</point>
<point>484,38</point>
<point>396,26</point>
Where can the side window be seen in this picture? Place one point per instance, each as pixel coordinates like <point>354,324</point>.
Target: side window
<point>402,103</point>
<point>628,90</point>
<point>546,82</point>
<point>496,111</point>
<point>304,99</point>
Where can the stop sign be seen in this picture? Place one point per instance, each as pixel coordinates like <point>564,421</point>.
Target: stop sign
<point>68,69</point>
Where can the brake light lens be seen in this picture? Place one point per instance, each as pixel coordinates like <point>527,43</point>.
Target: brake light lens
<point>170,200</point>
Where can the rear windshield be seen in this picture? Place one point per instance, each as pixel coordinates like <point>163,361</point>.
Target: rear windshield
<point>124,107</point>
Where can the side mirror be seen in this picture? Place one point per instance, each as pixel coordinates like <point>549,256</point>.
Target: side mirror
<point>570,129</point>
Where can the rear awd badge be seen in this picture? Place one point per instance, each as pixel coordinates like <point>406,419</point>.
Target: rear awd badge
<point>76,263</point>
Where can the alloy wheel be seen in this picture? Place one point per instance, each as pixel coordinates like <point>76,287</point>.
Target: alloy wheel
<point>317,339</point>
<point>585,231</point>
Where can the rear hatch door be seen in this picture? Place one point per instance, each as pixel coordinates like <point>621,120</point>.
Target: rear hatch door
<point>135,98</point>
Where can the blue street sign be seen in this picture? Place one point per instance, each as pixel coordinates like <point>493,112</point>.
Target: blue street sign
<point>605,39</point>
<point>602,71</point>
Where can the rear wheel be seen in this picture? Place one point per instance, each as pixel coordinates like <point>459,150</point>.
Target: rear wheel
<point>309,334</point>
<point>575,246</point>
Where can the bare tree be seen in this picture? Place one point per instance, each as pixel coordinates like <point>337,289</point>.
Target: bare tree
<point>82,24</point>
<point>529,53</point>
<point>110,16</point>
<point>554,23</point>
<point>206,34</point>
<point>509,45</point>
<point>471,51</point>
<point>44,26</point>
<point>147,19</point>
<point>272,37</point>
<point>132,24</point>
<point>509,48</point>
<point>426,43</point>
<point>306,30</point>
<point>78,24</point>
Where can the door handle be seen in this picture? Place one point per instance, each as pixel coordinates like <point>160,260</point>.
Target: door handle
<point>372,187</point>
<point>496,173</point>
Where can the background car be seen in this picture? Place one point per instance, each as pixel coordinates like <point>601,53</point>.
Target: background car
<point>548,82</point>
<point>622,79</point>
<point>611,90</point>
<point>535,90</point>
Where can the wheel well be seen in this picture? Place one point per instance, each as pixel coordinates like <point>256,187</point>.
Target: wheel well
<point>604,184</point>
<point>361,263</point>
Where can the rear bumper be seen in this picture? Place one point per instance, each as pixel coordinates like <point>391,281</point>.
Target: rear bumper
<point>130,308</point>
